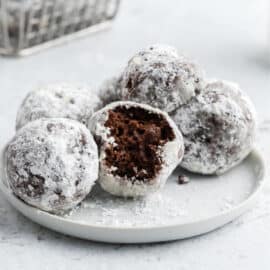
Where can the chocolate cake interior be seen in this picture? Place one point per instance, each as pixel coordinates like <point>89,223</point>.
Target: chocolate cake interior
<point>138,134</point>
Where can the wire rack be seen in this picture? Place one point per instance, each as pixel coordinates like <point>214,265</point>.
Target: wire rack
<point>30,25</point>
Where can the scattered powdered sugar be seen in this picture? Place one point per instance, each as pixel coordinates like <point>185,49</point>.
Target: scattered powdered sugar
<point>202,198</point>
<point>228,203</point>
<point>115,211</point>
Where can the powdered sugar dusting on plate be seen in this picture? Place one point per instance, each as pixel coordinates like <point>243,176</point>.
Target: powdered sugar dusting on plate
<point>201,198</point>
<point>115,211</point>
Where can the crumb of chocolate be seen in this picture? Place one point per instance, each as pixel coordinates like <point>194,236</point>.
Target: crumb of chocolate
<point>182,179</point>
<point>138,137</point>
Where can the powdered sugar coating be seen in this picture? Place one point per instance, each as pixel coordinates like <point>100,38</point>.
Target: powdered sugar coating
<point>171,154</point>
<point>162,49</point>
<point>52,164</point>
<point>110,91</point>
<point>218,127</point>
<point>58,100</point>
<point>157,76</point>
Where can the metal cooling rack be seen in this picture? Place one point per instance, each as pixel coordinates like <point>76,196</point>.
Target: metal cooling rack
<point>30,25</point>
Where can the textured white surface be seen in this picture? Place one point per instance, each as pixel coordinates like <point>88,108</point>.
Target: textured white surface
<point>228,39</point>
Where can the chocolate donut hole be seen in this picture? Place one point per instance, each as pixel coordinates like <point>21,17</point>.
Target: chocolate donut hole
<point>138,137</point>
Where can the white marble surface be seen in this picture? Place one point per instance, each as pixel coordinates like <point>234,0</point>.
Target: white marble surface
<point>229,38</point>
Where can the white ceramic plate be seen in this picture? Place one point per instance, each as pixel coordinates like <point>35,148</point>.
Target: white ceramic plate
<point>178,211</point>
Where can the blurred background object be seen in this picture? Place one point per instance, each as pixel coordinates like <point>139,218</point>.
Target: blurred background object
<point>28,25</point>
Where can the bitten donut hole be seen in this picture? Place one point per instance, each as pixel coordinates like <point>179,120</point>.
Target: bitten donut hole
<point>139,136</point>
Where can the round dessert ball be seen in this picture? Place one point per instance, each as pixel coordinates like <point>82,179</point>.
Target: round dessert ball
<point>161,49</point>
<point>218,127</point>
<point>139,148</point>
<point>157,76</point>
<point>58,100</point>
<point>52,163</point>
<point>110,91</point>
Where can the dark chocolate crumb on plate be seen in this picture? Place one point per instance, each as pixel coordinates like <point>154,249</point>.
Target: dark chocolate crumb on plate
<point>183,179</point>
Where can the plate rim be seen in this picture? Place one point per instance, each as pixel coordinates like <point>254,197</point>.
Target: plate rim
<point>23,207</point>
